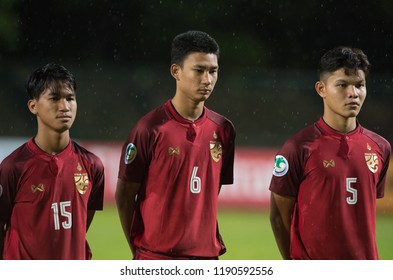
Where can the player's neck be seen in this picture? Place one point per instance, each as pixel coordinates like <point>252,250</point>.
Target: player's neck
<point>188,109</point>
<point>52,143</point>
<point>340,124</point>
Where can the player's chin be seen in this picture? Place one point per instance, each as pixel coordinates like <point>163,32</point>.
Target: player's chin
<point>203,97</point>
<point>352,114</point>
<point>64,127</point>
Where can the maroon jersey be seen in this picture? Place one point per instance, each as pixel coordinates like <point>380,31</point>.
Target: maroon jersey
<point>44,201</point>
<point>336,178</point>
<point>181,166</point>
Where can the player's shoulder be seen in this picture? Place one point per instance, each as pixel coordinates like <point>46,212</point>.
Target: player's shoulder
<point>382,143</point>
<point>17,158</point>
<point>89,156</point>
<point>156,117</point>
<point>219,119</point>
<point>305,135</point>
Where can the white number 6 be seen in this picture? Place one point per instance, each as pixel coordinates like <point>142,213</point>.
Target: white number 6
<point>195,181</point>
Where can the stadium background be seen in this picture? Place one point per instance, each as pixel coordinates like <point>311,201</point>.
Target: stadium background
<point>119,53</point>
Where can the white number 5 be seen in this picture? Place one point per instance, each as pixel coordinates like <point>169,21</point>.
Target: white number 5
<point>195,181</point>
<point>352,200</point>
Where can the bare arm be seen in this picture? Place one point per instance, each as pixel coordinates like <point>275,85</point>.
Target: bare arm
<point>126,193</point>
<point>281,210</point>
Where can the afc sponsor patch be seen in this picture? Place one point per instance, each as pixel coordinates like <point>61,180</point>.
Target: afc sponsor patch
<point>281,166</point>
<point>372,161</point>
<point>38,188</point>
<point>130,153</point>
<point>81,182</point>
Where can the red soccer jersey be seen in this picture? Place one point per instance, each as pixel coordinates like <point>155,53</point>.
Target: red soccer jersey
<point>180,165</point>
<point>44,201</point>
<point>336,178</point>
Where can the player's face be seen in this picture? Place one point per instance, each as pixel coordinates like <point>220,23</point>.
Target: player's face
<point>198,76</point>
<point>343,94</point>
<point>55,108</point>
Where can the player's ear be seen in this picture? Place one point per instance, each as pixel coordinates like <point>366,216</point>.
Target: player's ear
<point>320,88</point>
<point>32,105</point>
<point>175,71</point>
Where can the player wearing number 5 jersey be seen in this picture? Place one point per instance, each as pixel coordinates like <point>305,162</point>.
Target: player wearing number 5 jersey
<point>327,177</point>
<point>50,187</point>
<point>174,162</point>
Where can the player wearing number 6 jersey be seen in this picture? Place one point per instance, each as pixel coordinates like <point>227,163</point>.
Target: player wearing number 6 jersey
<point>174,162</point>
<point>327,177</point>
<point>50,187</point>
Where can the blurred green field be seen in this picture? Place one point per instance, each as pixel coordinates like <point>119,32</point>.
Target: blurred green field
<point>247,235</point>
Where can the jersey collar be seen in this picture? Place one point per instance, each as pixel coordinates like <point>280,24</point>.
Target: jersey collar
<point>326,128</point>
<point>35,149</point>
<point>180,119</point>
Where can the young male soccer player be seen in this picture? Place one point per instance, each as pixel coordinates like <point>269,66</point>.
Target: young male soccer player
<point>50,187</point>
<point>174,162</point>
<point>327,177</point>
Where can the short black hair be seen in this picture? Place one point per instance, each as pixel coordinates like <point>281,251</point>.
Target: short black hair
<point>192,41</point>
<point>51,75</point>
<point>351,59</point>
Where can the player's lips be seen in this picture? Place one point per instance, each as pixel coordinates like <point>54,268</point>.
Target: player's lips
<point>64,117</point>
<point>205,90</point>
<point>353,104</point>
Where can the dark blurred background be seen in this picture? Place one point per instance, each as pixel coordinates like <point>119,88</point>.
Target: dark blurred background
<point>119,53</point>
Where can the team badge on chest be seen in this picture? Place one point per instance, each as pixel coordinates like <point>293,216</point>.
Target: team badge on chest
<point>372,161</point>
<point>81,182</point>
<point>215,149</point>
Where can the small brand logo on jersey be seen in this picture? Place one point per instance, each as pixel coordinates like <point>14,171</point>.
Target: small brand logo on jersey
<point>372,161</point>
<point>174,151</point>
<point>368,147</point>
<point>216,150</point>
<point>38,188</point>
<point>281,166</point>
<point>329,163</point>
<point>79,167</point>
<point>130,153</point>
<point>81,182</point>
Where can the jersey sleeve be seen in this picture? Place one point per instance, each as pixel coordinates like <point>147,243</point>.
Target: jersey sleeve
<point>135,154</point>
<point>386,150</point>
<point>228,156</point>
<point>288,169</point>
<point>9,175</point>
<point>96,199</point>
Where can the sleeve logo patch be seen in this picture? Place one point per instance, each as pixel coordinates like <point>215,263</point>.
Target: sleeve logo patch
<point>130,153</point>
<point>281,166</point>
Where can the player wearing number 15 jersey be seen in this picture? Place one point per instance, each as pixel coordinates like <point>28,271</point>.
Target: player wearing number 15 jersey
<point>327,177</point>
<point>174,162</point>
<point>50,187</point>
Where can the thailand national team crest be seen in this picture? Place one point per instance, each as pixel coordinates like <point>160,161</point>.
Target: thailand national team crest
<point>215,149</point>
<point>372,161</point>
<point>81,182</point>
<point>130,153</point>
<point>281,166</point>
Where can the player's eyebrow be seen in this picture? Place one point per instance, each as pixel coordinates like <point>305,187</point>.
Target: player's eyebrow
<point>200,66</point>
